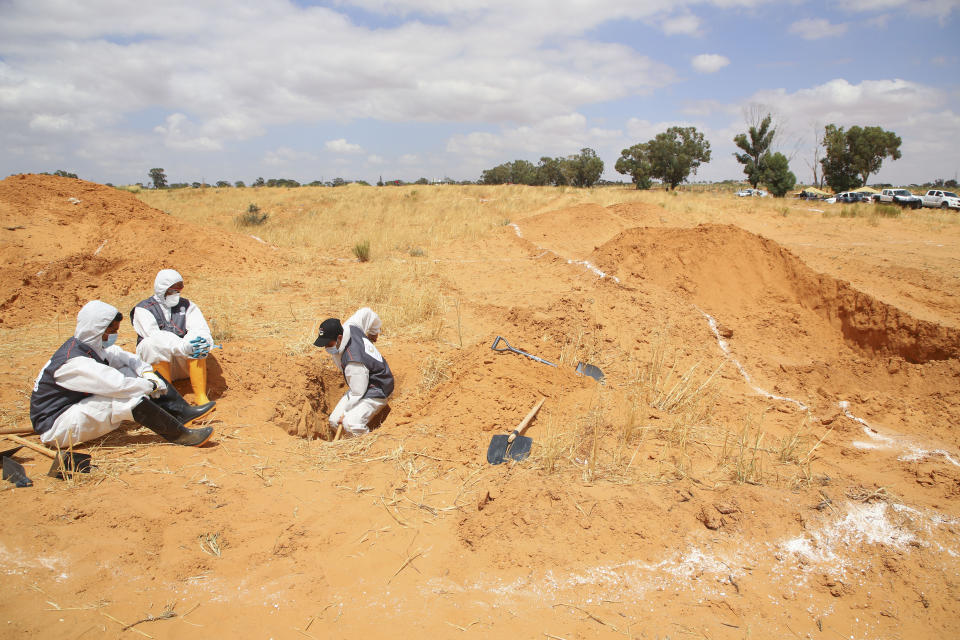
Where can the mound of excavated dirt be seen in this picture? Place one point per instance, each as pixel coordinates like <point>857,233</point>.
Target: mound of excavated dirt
<point>67,241</point>
<point>745,280</point>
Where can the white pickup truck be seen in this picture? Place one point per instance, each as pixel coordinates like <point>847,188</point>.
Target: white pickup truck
<point>941,199</point>
<point>901,197</point>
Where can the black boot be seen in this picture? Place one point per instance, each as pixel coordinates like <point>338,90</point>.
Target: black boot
<point>174,404</point>
<point>154,417</point>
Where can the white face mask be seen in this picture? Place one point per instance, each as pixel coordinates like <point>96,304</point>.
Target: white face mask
<point>171,300</point>
<point>331,350</point>
<point>109,340</point>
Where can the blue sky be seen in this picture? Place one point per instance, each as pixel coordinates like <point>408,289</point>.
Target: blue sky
<point>360,89</point>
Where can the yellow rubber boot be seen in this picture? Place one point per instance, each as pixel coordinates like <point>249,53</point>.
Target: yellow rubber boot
<point>198,380</point>
<point>163,368</point>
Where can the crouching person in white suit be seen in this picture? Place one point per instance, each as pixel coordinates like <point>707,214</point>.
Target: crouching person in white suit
<point>367,374</point>
<point>89,386</point>
<point>173,335</point>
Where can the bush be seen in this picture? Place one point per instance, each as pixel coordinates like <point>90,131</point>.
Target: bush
<point>252,218</point>
<point>362,251</point>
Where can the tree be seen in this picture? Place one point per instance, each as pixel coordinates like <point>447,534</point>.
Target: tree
<point>635,162</point>
<point>868,148</point>
<point>676,153</point>
<point>239,184</point>
<point>64,174</point>
<point>222,183</point>
<point>585,168</point>
<point>755,148</point>
<point>550,172</point>
<point>159,178</point>
<point>259,182</point>
<point>838,171</point>
<point>776,174</point>
<point>853,155</point>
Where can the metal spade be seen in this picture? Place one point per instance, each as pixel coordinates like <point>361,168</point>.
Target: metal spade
<point>583,368</point>
<point>515,445</point>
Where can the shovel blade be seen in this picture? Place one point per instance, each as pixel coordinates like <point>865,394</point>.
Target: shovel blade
<point>69,462</point>
<point>500,448</point>
<point>520,448</point>
<point>15,473</point>
<point>497,449</point>
<point>590,370</point>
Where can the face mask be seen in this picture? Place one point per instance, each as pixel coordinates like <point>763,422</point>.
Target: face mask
<point>171,300</point>
<point>331,350</point>
<point>110,340</point>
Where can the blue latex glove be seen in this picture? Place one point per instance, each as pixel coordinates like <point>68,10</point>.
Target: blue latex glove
<point>201,348</point>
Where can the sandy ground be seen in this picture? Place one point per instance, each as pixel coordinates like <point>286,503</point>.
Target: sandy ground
<point>811,492</point>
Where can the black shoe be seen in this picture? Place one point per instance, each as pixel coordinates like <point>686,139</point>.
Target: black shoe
<point>154,417</point>
<point>174,404</point>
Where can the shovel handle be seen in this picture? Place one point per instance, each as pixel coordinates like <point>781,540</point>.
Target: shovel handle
<point>31,445</point>
<point>8,430</point>
<point>513,349</point>
<point>526,421</point>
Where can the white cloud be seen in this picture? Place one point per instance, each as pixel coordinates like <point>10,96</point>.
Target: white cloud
<point>285,156</point>
<point>925,118</point>
<point>938,8</point>
<point>375,159</point>
<point>180,133</point>
<point>686,24</point>
<point>816,28</point>
<point>880,22</point>
<point>409,158</point>
<point>709,62</point>
<point>342,146</point>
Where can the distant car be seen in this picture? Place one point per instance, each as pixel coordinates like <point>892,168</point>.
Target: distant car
<point>902,197</point>
<point>850,197</point>
<point>744,193</point>
<point>941,199</point>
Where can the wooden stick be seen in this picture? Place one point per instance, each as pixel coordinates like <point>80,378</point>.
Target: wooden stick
<point>339,432</point>
<point>31,445</point>
<point>9,430</point>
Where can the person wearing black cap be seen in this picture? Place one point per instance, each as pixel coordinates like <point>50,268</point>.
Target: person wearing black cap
<point>367,374</point>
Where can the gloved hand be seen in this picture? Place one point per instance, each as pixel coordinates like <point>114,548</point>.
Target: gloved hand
<point>200,348</point>
<point>159,386</point>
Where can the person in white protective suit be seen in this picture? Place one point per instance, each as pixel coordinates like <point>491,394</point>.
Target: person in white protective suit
<point>367,374</point>
<point>173,335</point>
<point>89,386</point>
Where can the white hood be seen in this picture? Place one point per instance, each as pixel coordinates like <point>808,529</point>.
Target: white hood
<point>366,320</point>
<point>165,279</point>
<point>92,321</point>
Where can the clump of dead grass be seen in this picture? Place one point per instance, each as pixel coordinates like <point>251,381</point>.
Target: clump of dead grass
<point>434,372</point>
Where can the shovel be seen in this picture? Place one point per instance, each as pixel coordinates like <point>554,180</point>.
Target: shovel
<point>582,367</point>
<point>13,470</point>
<point>500,446</point>
<point>64,462</point>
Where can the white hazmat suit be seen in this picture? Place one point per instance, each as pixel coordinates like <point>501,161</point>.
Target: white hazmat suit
<point>116,387</point>
<point>353,409</point>
<point>158,345</point>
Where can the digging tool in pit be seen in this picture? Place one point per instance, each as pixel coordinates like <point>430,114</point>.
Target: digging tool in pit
<point>582,367</point>
<point>514,446</point>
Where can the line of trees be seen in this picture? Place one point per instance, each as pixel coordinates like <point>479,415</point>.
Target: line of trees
<point>850,157</point>
<point>581,170</point>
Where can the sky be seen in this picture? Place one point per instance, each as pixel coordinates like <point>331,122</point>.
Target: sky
<point>233,90</point>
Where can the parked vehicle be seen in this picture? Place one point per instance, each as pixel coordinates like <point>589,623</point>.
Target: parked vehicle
<point>849,197</point>
<point>941,199</point>
<point>901,197</point>
<point>744,193</point>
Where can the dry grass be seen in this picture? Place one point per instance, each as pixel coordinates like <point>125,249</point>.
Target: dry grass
<point>435,371</point>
